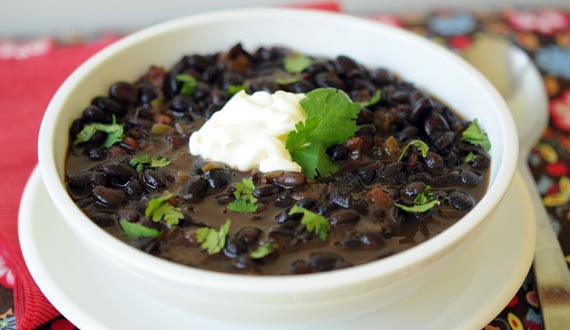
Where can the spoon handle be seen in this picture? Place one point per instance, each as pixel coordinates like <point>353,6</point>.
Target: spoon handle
<point>550,269</point>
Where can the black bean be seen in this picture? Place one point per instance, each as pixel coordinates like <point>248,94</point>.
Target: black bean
<point>480,162</point>
<point>451,160</point>
<point>235,247</point>
<point>470,178</point>
<point>338,152</point>
<point>244,261</point>
<point>76,127</point>
<point>197,62</point>
<point>97,138</point>
<point>194,189</point>
<point>366,173</point>
<point>102,219</point>
<point>407,134</point>
<point>307,203</point>
<point>302,86</point>
<point>461,200</point>
<point>108,196</point>
<point>263,84</point>
<point>134,189</point>
<point>265,190</point>
<point>202,91</point>
<point>219,177</point>
<point>340,197</point>
<point>153,179</point>
<point>331,80</point>
<point>364,239</point>
<point>343,216</point>
<point>250,235</point>
<point>97,153</point>
<point>434,161</point>
<point>290,180</point>
<point>326,208</point>
<point>118,173</point>
<point>147,93</point>
<point>412,189</point>
<point>345,66</point>
<point>365,116</point>
<point>420,110</point>
<point>435,123</point>
<point>284,199</point>
<point>322,261</point>
<point>300,266</point>
<point>282,235</point>
<point>81,184</point>
<point>445,141</point>
<point>231,79</point>
<point>109,106</point>
<point>382,77</point>
<point>392,169</point>
<point>93,114</point>
<point>124,93</point>
<point>128,214</point>
<point>399,97</point>
<point>284,217</point>
<point>227,196</point>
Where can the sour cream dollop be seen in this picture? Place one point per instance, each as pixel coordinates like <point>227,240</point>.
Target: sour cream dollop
<point>249,132</point>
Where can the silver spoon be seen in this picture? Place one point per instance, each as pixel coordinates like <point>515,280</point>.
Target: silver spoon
<point>511,71</point>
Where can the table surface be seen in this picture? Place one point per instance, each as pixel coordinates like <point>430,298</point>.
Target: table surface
<point>544,34</point>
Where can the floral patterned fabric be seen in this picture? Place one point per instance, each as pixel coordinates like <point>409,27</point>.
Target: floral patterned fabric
<point>545,35</point>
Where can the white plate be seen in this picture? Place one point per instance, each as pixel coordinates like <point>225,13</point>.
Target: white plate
<point>466,295</point>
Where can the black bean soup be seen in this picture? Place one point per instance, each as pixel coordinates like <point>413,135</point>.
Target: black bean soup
<point>364,202</point>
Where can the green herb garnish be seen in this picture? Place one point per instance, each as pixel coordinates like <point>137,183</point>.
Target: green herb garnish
<point>474,135</point>
<point>189,84</point>
<point>139,162</point>
<point>470,156</point>
<point>288,80</point>
<point>262,251</point>
<point>315,223</point>
<point>212,240</point>
<point>245,201</point>
<point>114,133</point>
<point>423,202</point>
<point>331,119</point>
<point>134,230</point>
<point>296,63</point>
<point>375,99</point>
<point>424,148</point>
<point>234,89</point>
<point>160,209</point>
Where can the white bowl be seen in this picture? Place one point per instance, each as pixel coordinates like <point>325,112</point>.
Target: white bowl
<point>281,299</point>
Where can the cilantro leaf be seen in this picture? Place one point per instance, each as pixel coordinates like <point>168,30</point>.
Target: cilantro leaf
<point>160,209</point>
<point>234,89</point>
<point>375,99</point>
<point>418,208</point>
<point>474,135</point>
<point>331,119</point>
<point>288,80</point>
<point>134,230</point>
<point>212,240</point>
<point>424,148</point>
<point>296,63</point>
<point>471,156</point>
<point>114,133</point>
<point>189,84</point>
<point>423,202</point>
<point>262,251</point>
<point>245,201</point>
<point>315,223</point>
<point>138,162</point>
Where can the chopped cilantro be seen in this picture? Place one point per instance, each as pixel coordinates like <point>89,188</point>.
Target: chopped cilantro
<point>212,240</point>
<point>160,209</point>
<point>331,119</point>
<point>262,251</point>
<point>424,148</point>
<point>245,201</point>
<point>296,63</point>
<point>423,202</point>
<point>288,80</point>
<point>474,135</point>
<point>471,156</point>
<point>114,133</point>
<point>138,162</point>
<point>375,99</point>
<point>315,223</point>
<point>189,84</point>
<point>134,230</point>
<point>234,89</point>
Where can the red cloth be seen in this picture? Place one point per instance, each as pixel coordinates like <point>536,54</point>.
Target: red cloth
<point>30,73</point>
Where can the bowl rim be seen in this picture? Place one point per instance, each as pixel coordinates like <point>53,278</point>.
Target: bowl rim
<point>404,261</point>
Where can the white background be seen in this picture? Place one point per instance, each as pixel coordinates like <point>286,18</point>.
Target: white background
<point>25,17</point>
